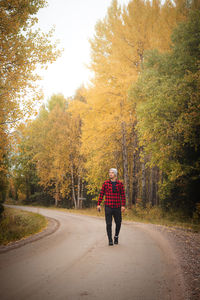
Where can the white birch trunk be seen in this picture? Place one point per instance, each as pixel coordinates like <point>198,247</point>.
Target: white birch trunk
<point>125,163</point>
<point>73,187</point>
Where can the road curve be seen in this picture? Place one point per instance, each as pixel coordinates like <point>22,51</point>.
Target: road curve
<point>75,262</point>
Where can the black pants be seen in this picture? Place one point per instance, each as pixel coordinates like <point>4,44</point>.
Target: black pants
<point>116,213</point>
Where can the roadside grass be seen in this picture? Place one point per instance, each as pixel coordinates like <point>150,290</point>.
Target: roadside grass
<point>152,215</point>
<point>16,224</point>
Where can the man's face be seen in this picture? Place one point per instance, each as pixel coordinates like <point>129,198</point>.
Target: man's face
<point>112,174</point>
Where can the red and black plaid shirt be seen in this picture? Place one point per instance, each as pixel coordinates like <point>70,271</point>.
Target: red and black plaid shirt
<point>116,199</point>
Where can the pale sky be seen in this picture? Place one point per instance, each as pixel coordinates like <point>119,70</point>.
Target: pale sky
<point>74,22</point>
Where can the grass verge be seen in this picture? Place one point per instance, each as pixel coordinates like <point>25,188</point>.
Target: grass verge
<point>17,224</point>
<point>149,215</point>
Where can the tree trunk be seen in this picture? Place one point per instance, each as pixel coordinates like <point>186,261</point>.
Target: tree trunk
<point>82,188</point>
<point>73,187</point>
<point>143,183</point>
<point>78,191</point>
<point>27,188</point>
<point>125,163</point>
<point>57,195</point>
<point>134,183</point>
<point>135,168</point>
<point>153,189</point>
<point>159,179</point>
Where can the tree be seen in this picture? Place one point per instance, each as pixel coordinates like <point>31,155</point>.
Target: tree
<point>168,114</point>
<point>49,137</point>
<point>22,50</point>
<point>50,144</point>
<point>77,108</point>
<point>117,51</point>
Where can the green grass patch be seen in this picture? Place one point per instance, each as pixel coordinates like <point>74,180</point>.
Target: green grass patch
<point>16,224</point>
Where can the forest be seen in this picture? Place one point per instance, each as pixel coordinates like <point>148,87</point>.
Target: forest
<point>139,114</point>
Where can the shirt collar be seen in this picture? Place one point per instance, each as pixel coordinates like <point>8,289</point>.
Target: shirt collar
<point>114,181</point>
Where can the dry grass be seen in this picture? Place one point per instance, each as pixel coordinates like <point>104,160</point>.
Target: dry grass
<point>17,224</point>
<point>153,215</point>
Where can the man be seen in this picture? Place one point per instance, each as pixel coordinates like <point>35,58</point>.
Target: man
<point>115,200</point>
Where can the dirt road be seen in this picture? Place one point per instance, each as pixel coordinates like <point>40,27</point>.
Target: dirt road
<point>75,262</point>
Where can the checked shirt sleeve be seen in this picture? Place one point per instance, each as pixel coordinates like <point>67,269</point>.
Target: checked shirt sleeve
<point>123,197</point>
<point>102,192</point>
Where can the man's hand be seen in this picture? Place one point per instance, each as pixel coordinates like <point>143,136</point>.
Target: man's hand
<point>98,207</point>
<point>123,208</point>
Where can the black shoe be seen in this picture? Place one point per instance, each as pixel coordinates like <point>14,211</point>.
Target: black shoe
<point>115,239</point>
<point>110,243</point>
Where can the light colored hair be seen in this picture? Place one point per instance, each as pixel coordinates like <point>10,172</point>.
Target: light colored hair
<point>113,170</point>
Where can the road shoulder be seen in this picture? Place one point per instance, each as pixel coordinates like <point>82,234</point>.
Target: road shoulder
<point>181,250</point>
